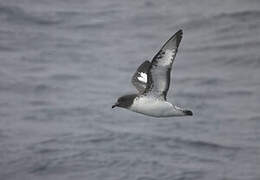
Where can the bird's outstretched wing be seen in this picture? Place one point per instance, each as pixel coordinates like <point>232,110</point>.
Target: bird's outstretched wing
<point>159,73</point>
<point>139,79</point>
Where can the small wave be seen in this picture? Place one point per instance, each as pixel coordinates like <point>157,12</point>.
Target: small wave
<point>210,81</point>
<point>39,103</point>
<point>45,113</point>
<point>40,88</point>
<point>217,19</point>
<point>179,142</point>
<point>229,46</point>
<point>240,15</point>
<point>94,25</point>
<point>96,139</point>
<point>204,144</point>
<point>3,135</point>
<point>64,77</point>
<point>40,168</point>
<point>199,95</point>
<point>6,48</point>
<point>240,60</point>
<point>18,15</point>
<point>239,93</point>
<point>145,178</point>
<point>255,118</point>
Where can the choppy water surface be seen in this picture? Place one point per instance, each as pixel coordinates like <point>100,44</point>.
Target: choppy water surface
<point>63,64</point>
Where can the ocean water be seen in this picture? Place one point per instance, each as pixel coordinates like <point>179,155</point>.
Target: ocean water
<point>64,63</point>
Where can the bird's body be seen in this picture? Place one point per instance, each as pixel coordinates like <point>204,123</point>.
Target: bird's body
<point>153,106</point>
<point>152,80</point>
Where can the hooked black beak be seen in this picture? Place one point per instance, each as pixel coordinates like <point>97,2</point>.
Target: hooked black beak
<point>115,105</point>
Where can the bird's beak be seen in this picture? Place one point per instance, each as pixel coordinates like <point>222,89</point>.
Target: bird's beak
<point>116,104</point>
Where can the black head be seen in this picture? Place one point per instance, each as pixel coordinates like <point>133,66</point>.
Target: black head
<point>125,101</point>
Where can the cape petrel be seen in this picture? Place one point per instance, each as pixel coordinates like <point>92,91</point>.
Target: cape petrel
<point>152,80</point>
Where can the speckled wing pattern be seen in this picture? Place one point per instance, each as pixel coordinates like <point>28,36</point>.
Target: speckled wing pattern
<point>139,79</point>
<point>159,73</point>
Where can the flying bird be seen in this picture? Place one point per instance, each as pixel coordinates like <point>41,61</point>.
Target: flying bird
<point>152,80</point>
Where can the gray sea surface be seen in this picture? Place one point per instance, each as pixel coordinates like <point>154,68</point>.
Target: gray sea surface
<point>64,63</point>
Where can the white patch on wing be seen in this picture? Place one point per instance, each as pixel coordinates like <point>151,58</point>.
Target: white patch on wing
<point>142,77</point>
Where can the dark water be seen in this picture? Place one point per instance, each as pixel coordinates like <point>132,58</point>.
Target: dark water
<point>63,63</point>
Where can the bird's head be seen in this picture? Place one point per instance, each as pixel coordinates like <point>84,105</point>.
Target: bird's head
<point>125,101</point>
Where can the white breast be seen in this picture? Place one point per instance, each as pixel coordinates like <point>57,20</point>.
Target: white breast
<point>152,107</point>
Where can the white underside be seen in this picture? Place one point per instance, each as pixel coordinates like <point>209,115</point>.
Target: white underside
<point>155,107</point>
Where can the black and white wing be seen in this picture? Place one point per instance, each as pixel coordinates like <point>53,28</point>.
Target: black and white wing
<point>159,73</point>
<point>139,79</point>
